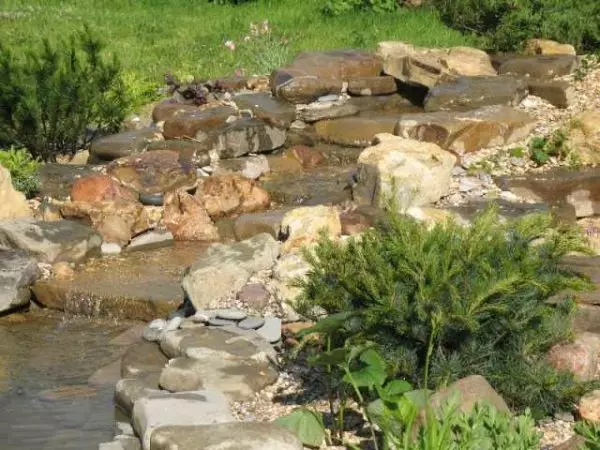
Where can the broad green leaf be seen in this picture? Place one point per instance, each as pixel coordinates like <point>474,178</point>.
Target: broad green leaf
<point>332,358</point>
<point>396,388</point>
<point>368,376</point>
<point>373,359</point>
<point>306,425</point>
<point>327,325</point>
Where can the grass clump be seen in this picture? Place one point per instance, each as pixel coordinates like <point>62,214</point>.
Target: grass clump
<point>590,432</point>
<point>23,170</point>
<point>56,98</point>
<point>541,149</point>
<point>450,301</point>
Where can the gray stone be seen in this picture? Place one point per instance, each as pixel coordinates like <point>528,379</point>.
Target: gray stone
<point>216,322</point>
<point>228,436</point>
<point>56,180</point>
<point>559,93</point>
<point>248,225</point>
<point>129,390</point>
<point>254,295</point>
<point>267,108</point>
<point>205,407</point>
<point>174,323</point>
<point>251,323</point>
<point>271,330</point>
<point>50,242</point>
<point>466,93</point>
<point>142,358</point>
<point>225,268</point>
<point>123,144</point>
<point>231,314</point>
<point>248,136</point>
<point>17,273</point>
<point>121,443</point>
<point>252,167</point>
<point>153,334</point>
<point>110,248</point>
<point>151,239</point>
<point>325,110</point>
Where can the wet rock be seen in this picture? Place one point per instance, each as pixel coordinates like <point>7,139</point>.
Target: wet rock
<point>205,407</point>
<point>115,221</point>
<point>12,202</point>
<point>98,188</point>
<point>271,330</point>
<point>428,67</point>
<point>367,86</point>
<point>17,273</point>
<point>121,443</point>
<point>245,136</point>
<point>185,216</point>
<point>255,296</point>
<point>540,66</point>
<point>56,180</point>
<point>419,172</point>
<point>188,122</point>
<point>387,104</point>
<point>589,406</point>
<point>355,131</point>
<point>579,357</point>
<point>251,323</point>
<point>225,195</point>
<point>267,108</point>
<point>307,156</point>
<point>248,225</point>
<point>314,112</point>
<point>584,136</point>
<point>129,390</point>
<point>168,108</point>
<point>251,167</point>
<point>548,47</point>
<point>574,443</point>
<point>559,93</point>
<point>228,436</point>
<point>189,150</point>
<point>304,225</point>
<point>466,132</point>
<point>123,144</point>
<point>467,93</point>
<point>226,268</point>
<point>156,172</point>
<point>151,239</point>
<point>107,375</point>
<point>49,242</point>
<point>141,359</point>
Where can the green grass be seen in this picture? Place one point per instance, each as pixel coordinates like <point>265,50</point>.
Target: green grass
<point>186,37</point>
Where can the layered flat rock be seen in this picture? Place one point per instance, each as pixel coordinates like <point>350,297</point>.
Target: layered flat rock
<point>17,273</point>
<point>169,108</point>
<point>189,150</point>
<point>188,122</point>
<point>139,285</point>
<point>155,172</point>
<point>324,110</point>
<point>368,86</point>
<point>245,136</point>
<point>123,144</point>
<point>50,242</point>
<point>539,66</point>
<point>559,93</point>
<point>465,132</point>
<point>355,131</point>
<point>56,180</point>
<point>267,108</point>
<point>248,225</point>
<point>227,436</point>
<point>466,93</point>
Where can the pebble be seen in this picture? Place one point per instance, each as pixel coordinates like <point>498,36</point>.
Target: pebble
<point>271,330</point>
<point>231,314</point>
<point>251,323</point>
<point>215,322</point>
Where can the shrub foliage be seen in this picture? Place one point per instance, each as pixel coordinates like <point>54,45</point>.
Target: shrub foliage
<point>52,96</point>
<point>450,301</point>
<point>23,170</point>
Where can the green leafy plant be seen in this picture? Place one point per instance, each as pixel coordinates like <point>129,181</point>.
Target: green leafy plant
<point>340,7</point>
<point>541,149</point>
<point>23,170</point>
<point>54,96</point>
<point>446,302</point>
<point>591,433</point>
<point>306,424</point>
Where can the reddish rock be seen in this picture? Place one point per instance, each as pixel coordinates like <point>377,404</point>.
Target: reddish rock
<point>224,195</point>
<point>579,357</point>
<point>98,188</point>
<point>186,218</point>
<point>307,156</point>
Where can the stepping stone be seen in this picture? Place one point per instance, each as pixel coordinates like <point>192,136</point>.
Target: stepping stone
<point>215,322</point>
<point>271,330</point>
<point>231,314</point>
<point>251,323</point>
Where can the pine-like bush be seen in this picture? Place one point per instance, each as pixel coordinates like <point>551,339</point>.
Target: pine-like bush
<point>53,97</point>
<point>451,301</point>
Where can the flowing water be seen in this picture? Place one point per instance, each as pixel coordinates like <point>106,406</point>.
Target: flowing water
<point>45,362</point>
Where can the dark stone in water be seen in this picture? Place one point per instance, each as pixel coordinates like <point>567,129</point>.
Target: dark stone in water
<point>152,199</point>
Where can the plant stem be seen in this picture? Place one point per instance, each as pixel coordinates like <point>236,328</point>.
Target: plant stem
<point>362,404</point>
<point>429,352</point>
<point>330,394</point>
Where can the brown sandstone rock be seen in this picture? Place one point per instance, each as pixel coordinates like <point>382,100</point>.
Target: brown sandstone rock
<point>584,136</point>
<point>540,66</point>
<point>367,86</point>
<point>187,122</point>
<point>12,202</point>
<point>186,218</point>
<point>122,144</point>
<point>548,47</point>
<point>304,225</point>
<point>589,406</point>
<point>579,357</point>
<point>355,131</point>
<point>307,156</point>
<point>98,188</point>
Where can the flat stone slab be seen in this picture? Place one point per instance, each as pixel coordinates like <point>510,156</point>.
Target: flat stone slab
<point>227,436</point>
<point>267,108</point>
<point>217,322</point>
<point>206,407</point>
<point>50,242</point>
<point>251,323</point>
<point>17,273</point>
<point>271,330</point>
<point>231,314</point>
<point>122,144</point>
<point>142,358</point>
<point>138,285</point>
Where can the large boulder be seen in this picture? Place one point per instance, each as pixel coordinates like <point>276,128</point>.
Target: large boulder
<point>559,93</point>
<point>190,122</point>
<point>185,216</point>
<point>303,226</point>
<point>12,202</point>
<point>428,67</point>
<point>116,221</point>
<point>98,188</point>
<point>314,74</point>
<point>226,268</point>
<point>466,132</point>
<point>57,180</point>
<point>420,172</point>
<point>580,357</point>
<point>17,273</point>
<point>225,195</point>
<point>226,436</point>
<point>539,66</point>
<point>123,144</point>
<point>466,93</point>
<point>548,47</point>
<point>156,172</point>
<point>584,136</point>
<point>50,242</point>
